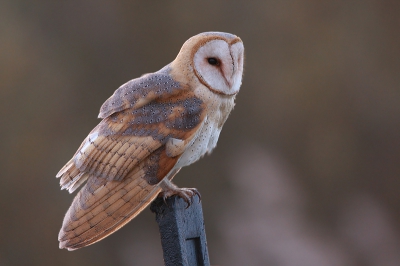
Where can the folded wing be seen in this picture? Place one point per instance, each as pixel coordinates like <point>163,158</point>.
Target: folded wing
<point>124,158</point>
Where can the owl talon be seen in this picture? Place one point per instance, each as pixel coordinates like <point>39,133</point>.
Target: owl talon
<point>187,194</point>
<point>165,200</point>
<point>197,193</point>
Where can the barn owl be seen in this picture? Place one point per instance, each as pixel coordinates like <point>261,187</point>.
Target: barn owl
<point>151,127</point>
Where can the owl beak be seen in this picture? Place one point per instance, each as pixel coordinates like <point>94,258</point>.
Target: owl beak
<point>228,71</point>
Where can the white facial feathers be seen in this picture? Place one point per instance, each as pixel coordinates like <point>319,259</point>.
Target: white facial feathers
<point>220,65</point>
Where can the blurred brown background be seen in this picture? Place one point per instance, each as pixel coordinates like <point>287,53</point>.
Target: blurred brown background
<point>307,168</point>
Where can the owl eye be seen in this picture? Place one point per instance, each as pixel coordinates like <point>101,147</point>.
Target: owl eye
<point>213,61</point>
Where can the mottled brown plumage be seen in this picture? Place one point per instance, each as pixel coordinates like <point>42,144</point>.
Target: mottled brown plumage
<point>152,126</point>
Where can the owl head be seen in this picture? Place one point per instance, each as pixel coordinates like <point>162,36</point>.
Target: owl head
<point>214,59</point>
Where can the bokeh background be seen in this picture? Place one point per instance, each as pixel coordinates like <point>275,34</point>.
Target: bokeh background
<point>306,172</point>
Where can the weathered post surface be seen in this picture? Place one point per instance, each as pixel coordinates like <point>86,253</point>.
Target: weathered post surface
<point>183,236</point>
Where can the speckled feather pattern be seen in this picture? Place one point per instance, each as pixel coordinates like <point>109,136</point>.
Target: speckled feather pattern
<point>151,127</point>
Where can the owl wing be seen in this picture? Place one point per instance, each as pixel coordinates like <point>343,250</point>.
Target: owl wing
<point>125,157</point>
<point>138,118</point>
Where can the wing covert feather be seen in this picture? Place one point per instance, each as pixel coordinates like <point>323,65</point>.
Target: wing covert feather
<point>140,91</point>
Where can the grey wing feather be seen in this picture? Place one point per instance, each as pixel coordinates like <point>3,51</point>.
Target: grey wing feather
<point>140,91</point>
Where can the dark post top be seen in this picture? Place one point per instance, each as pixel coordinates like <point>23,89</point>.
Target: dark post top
<point>183,236</point>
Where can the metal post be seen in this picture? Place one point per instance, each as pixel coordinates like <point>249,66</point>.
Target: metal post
<point>183,236</point>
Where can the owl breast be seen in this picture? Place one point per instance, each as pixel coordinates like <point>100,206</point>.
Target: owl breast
<point>205,141</point>
<point>207,137</point>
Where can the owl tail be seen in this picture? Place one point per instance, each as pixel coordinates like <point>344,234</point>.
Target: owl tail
<point>101,207</point>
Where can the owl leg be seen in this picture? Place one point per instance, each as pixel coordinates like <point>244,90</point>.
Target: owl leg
<point>169,189</point>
